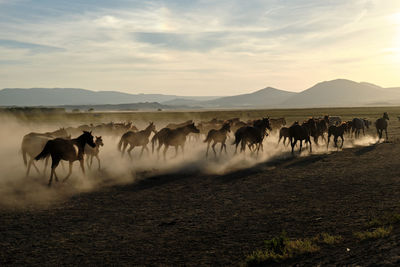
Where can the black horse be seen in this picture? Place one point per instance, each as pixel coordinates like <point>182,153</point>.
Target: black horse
<point>381,125</point>
<point>64,149</point>
<point>299,133</point>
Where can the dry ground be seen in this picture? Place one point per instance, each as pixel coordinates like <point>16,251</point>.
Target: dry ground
<point>190,218</point>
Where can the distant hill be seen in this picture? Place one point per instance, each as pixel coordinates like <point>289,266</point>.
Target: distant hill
<point>341,93</point>
<point>335,93</point>
<point>122,107</point>
<point>73,96</point>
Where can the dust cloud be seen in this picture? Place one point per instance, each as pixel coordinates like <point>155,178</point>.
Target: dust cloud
<point>20,191</point>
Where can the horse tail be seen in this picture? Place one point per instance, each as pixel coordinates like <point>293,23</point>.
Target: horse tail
<point>208,138</point>
<point>238,138</point>
<point>45,152</point>
<point>24,155</point>
<point>153,141</point>
<point>120,142</point>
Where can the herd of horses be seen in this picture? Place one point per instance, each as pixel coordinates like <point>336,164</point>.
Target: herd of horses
<point>60,146</point>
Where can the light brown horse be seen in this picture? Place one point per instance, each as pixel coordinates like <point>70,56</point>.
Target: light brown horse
<point>92,152</point>
<point>134,139</point>
<point>64,149</point>
<point>173,137</point>
<point>217,136</point>
<point>33,143</point>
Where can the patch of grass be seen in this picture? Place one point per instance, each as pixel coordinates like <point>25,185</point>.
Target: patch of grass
<point>375,234</point>
<point>328,239</point>
<point>385,219</point>
<point>279,249</point>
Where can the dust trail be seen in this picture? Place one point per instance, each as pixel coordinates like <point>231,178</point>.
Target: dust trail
<point>19,191</point>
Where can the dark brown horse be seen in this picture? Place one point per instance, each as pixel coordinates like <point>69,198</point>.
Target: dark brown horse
<point>218,136</point>
<point>64,149</point>
<point>357,126</point>
<point>299,133</point>
<point>337,131</point>
<point>134,139</point>
<point>381,125</point>
<point>284,132</point>
<point>251,135</point>
<point>33,143</point>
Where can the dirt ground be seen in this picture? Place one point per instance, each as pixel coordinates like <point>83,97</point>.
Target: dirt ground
<point>192,218</point>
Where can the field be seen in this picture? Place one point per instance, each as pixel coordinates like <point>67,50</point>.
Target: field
<point>336,207</point>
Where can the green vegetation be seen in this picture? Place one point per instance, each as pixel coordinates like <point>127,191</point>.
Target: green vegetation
<point>375,234</point>
<point>280,248</point>
<point>385,219</point>
<point>328,239</point>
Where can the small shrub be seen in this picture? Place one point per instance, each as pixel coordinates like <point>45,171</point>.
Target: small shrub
<point>385,219</point>
<point>377,233</point>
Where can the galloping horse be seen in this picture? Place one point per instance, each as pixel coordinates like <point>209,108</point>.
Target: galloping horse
<point>134,139</point>
<point>357,126</point>
<point>284,132</point>
<point>174,137</point>
<point>33,143</point>
<point>251,135</point>
<point>218,136</point>
<point>69,150</point>
<point>337,131</point>
<point>299,132</point>
<point>92,152</point>
<point>381,124</point>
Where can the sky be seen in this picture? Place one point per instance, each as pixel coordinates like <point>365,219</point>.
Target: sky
<point>199,47</point>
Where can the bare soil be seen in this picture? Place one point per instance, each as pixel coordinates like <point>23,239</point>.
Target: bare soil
<point>195,219</point>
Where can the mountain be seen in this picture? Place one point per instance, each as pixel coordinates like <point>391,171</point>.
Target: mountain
<point>335,93</point>
<point>73,96</point>
<point>342,93</point>
<point>267,97</point>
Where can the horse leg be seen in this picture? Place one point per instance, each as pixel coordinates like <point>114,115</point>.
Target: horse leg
<point>222,148</point>
<point>342,141</point>
<point>54,164</point>
<point>46,162</point>
<point>309,141</point>
<point>29,166</point>
<point>123,148</point>
<point>87,160</point>
<point>327,143</point>
<point>225,149</point>
<point>165,151</point>
<point>82,166</point>
<point>69,172</point>
<point>141,152</point>
<point>147,150</point>
<point>98,160</point>
<point>293,143</point>
<point>183,150</point>
<point>208,147</point>
<point>386,134</point>
<point>301,146</point>
<point>129,151</point>
<point>213,147</point>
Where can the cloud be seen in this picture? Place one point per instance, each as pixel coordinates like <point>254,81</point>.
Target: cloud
<point>34,48</point>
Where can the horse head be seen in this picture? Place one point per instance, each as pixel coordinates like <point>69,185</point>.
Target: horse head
<point>385,116</point>
<point>192,128</point>
<point>99,141</point>
<point>152,127</point>
<point>88,138</point>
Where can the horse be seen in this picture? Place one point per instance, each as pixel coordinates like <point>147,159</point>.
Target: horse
<point>251,135</point>
<point>357,126</point>
<point>337,131</point>
<point>178,125</point>
<point>134,139</point>
<point>381,124</point>
<point>277,123</point>
<point>299,133</point>
<point>33,143</point>
<point>311,125</point>
<point>218,136</point>
<point>92,152</point>
<point>284,132</point>
<point>174,137</point>
<point>334,120</point>
<point>64,149</point>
